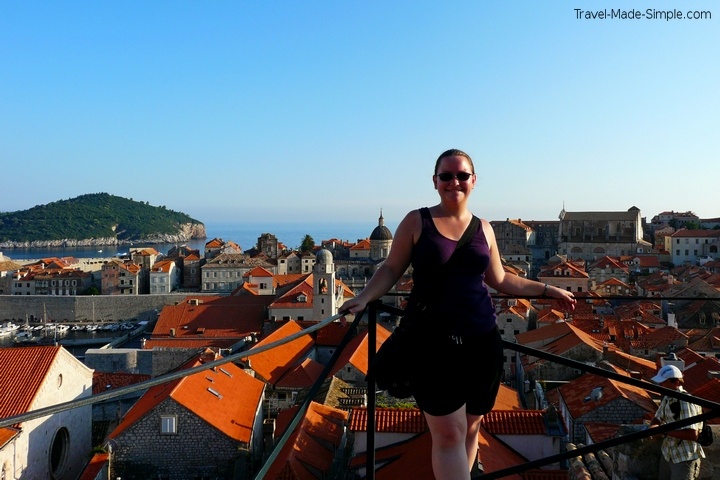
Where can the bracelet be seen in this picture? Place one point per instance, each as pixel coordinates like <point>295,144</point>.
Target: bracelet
<point>544,290</point>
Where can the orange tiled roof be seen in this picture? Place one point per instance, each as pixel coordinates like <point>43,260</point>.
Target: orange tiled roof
<point>301,376</point>
<point>209,321</point>
<point>311,448</point>
<point>599,431</point>
<point>272,364</point>
<point>231,412</point>
<point>507,399</point>
<point>576,392</point>
<point>22,372</point>
<point>659,338</point>
<point>259,272</point>
<point>697,375</point>
<point>95,466</point>
<point>389,420</point>
<point>289,299</point>
<point>411,459</point>
<point>356,352</point>
<point>515,422</point>
<point>104,381</point>
<point>710,391</point>
<point>361,245</point>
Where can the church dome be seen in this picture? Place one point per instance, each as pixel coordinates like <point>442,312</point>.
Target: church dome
<point>381,232</point>
<point>324,257</point>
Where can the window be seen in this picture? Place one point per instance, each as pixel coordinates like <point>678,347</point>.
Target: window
<point>168,425</point>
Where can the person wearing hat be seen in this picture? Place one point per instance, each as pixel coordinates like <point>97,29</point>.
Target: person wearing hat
<point>681,453</point>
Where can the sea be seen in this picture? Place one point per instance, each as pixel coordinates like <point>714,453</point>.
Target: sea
<point>244,234</point>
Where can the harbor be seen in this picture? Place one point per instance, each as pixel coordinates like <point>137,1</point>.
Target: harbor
<point>78,337</point>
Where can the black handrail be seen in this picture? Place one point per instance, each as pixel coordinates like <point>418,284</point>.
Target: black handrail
<point>714,408</point>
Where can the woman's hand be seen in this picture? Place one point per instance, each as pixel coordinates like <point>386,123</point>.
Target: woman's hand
<point>567,299</point>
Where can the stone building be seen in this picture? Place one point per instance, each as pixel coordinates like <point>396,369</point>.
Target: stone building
<point>55,446</point>
<point>592,235</point>
<point>205,425</point>
<point>531,242</point>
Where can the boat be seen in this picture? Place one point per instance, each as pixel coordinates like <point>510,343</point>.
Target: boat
<point>61,328</point>
<point>8,328</point>
<point>26,336</point>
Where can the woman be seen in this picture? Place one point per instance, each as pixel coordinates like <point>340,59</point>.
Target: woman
<point>459,384</point>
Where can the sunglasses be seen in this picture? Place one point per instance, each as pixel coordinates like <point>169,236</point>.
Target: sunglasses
<point>461,176</point>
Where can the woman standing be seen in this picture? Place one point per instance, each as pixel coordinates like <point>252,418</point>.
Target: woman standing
<point>458,385</point>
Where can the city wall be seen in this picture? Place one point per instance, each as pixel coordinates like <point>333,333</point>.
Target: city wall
<point>98,308</point>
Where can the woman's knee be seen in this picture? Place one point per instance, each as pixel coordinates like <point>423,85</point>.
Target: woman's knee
<point>448,433</point>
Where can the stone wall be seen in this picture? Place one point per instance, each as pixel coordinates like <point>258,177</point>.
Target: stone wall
<point>153,362</point>
<point>98,308</point>
<point>197,451</point>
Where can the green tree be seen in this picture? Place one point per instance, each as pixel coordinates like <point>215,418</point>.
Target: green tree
<point>307,244</point>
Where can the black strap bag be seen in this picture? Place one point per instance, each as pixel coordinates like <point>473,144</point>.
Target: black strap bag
<point>398,355</point>
<point>705,436</point>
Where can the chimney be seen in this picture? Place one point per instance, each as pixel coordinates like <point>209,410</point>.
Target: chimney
<point>672,359</point>
<point>172,332</point>
<point>208,356</point>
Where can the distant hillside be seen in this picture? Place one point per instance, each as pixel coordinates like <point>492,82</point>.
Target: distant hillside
<point>96,219</point>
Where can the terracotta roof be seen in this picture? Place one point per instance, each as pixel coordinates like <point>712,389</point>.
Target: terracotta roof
<point>697,375</point>
<point>259,272</point>
<point>696,233</point>
<point>659,338</point>
<point>225,397</point>
<point>95,466</point>
<point>600,432</point>
<point>272,364</point>
<point>311,448</point>
<point>389,420</point>
<point>331,335</point>
<point>163,266</point>
<point>209,321</point>
<point>361,245</point>
<point>576,394</point>
<point>290,298</point>
<point>515,422</point>
<point>356,352</point>
<point>710,391</point>
<point>631,363</point>
<point>557,339</point>
<point>507,399</point>
<point>301,376</point>
<point>412,459</point>
<point>707,342</point>
<point>22,372</point>
<point>104,381</point>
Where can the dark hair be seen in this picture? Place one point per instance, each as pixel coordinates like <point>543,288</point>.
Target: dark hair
<point>453,152</point>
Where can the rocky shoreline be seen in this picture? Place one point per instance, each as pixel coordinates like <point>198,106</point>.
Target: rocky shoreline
<point>187,232</point>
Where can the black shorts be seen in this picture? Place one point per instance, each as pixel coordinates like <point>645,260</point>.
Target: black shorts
<point>460,371</point>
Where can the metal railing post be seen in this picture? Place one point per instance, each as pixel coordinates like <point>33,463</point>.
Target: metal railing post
<point>372,341</point>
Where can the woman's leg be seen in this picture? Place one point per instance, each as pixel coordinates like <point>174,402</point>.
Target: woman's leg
<point>449,454</point>
<point>471,441</point>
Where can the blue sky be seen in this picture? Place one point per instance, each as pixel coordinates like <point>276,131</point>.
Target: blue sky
<point>299,111</point>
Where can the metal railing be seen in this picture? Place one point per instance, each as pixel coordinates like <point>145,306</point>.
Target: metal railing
<point>372,311</point>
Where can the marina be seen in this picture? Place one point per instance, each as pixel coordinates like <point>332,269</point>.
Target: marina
<point>78,337</point>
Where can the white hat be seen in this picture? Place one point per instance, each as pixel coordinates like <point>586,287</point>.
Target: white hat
<point>666,373</point>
